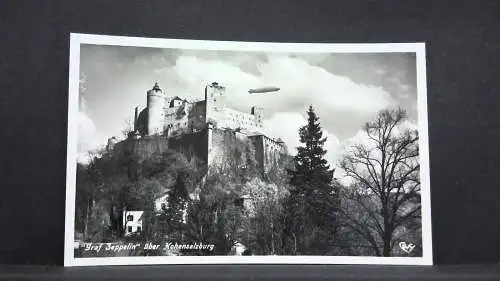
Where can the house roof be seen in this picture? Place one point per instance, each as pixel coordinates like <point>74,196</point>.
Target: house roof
<point>137,214</point>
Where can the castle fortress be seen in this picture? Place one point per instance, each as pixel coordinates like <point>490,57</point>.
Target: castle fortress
<point>205,126</point>
<point>170,116</point>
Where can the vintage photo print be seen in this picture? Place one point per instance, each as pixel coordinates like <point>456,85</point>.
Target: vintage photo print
<point>189,152</point>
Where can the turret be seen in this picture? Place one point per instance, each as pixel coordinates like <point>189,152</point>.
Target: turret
<point>258,112</point>
<point>111,143</point>
<point>136,117</point>
<point>282,144</point>
<point>155,104</point>
<point>215,100</point>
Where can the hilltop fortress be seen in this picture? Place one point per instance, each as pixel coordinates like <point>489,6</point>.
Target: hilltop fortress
<point>172,116</point>
<point>206,127</point>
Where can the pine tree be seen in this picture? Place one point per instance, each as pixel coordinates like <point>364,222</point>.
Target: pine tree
<point>311,204</point>
<point>176,204</point>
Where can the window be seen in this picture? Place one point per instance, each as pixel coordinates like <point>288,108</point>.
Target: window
<point>238,202</point>
<point>130,218</point>
<point>129,229</point>
<point>138,229</point>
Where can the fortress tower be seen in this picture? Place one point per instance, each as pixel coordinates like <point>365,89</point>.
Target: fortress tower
<point>155,106</point>
<point>215,101</point>
<point>258,112</point>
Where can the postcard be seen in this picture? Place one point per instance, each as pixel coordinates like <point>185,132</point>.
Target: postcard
<point>217,152</point>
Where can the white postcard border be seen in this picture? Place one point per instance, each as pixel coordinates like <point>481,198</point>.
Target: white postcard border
<point>76,39</point>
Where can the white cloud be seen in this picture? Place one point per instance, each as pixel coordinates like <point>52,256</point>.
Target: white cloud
<point>195,73</point>
<point>87,138</point>
<point>361,137</point>
<point>301,84</point>
<point>300,80</point>
<point>285,125</point>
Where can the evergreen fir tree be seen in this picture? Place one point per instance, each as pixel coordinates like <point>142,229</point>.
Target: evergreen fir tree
<point>310,165</point>
<point>311,205</point>
<point>176,204</point>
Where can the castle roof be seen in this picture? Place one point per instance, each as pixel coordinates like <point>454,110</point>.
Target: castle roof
<point>156,88</point>
<point>137,214</point>
<point>176,98</point>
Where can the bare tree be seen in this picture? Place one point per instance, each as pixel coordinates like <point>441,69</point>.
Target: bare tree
<point>82,82</point>
<point>128,130</point>
<point>385,191</point>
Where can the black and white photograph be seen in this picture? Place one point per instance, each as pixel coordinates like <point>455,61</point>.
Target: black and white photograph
<point>186,152</point>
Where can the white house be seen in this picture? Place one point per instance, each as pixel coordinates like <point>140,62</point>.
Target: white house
<point>238,249</point>
<point>161,203</point>
<point>132,222</point>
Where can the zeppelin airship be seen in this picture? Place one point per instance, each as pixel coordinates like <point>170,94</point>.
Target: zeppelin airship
<point>263,90</point>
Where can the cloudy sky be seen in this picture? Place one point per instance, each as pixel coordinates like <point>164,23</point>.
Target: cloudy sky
<point>346,90</point>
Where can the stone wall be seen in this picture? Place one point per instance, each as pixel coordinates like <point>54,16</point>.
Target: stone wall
<point>186,118</point>
<point>222,146</point>
<point>235,119</point>
<point>194,143</point>
<point>224,142</point>
<point>258,143</point>
<point>145,146</point>
<point>272,152</point>
<point>267,151</point>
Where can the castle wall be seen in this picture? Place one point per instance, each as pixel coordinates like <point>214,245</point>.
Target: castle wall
<point>216,147</point>
<point>186,118</point>
<point>221,145</point>
<point>176,120</point>
<point>192,144</point>
<point>197,115</point>
<point>221,149</point>
<point>258,143</point>
<point>267,151</point>
<point>235,119</point>
<point>142,122</point>
<point>146,146</point>
<point>272,152</point>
